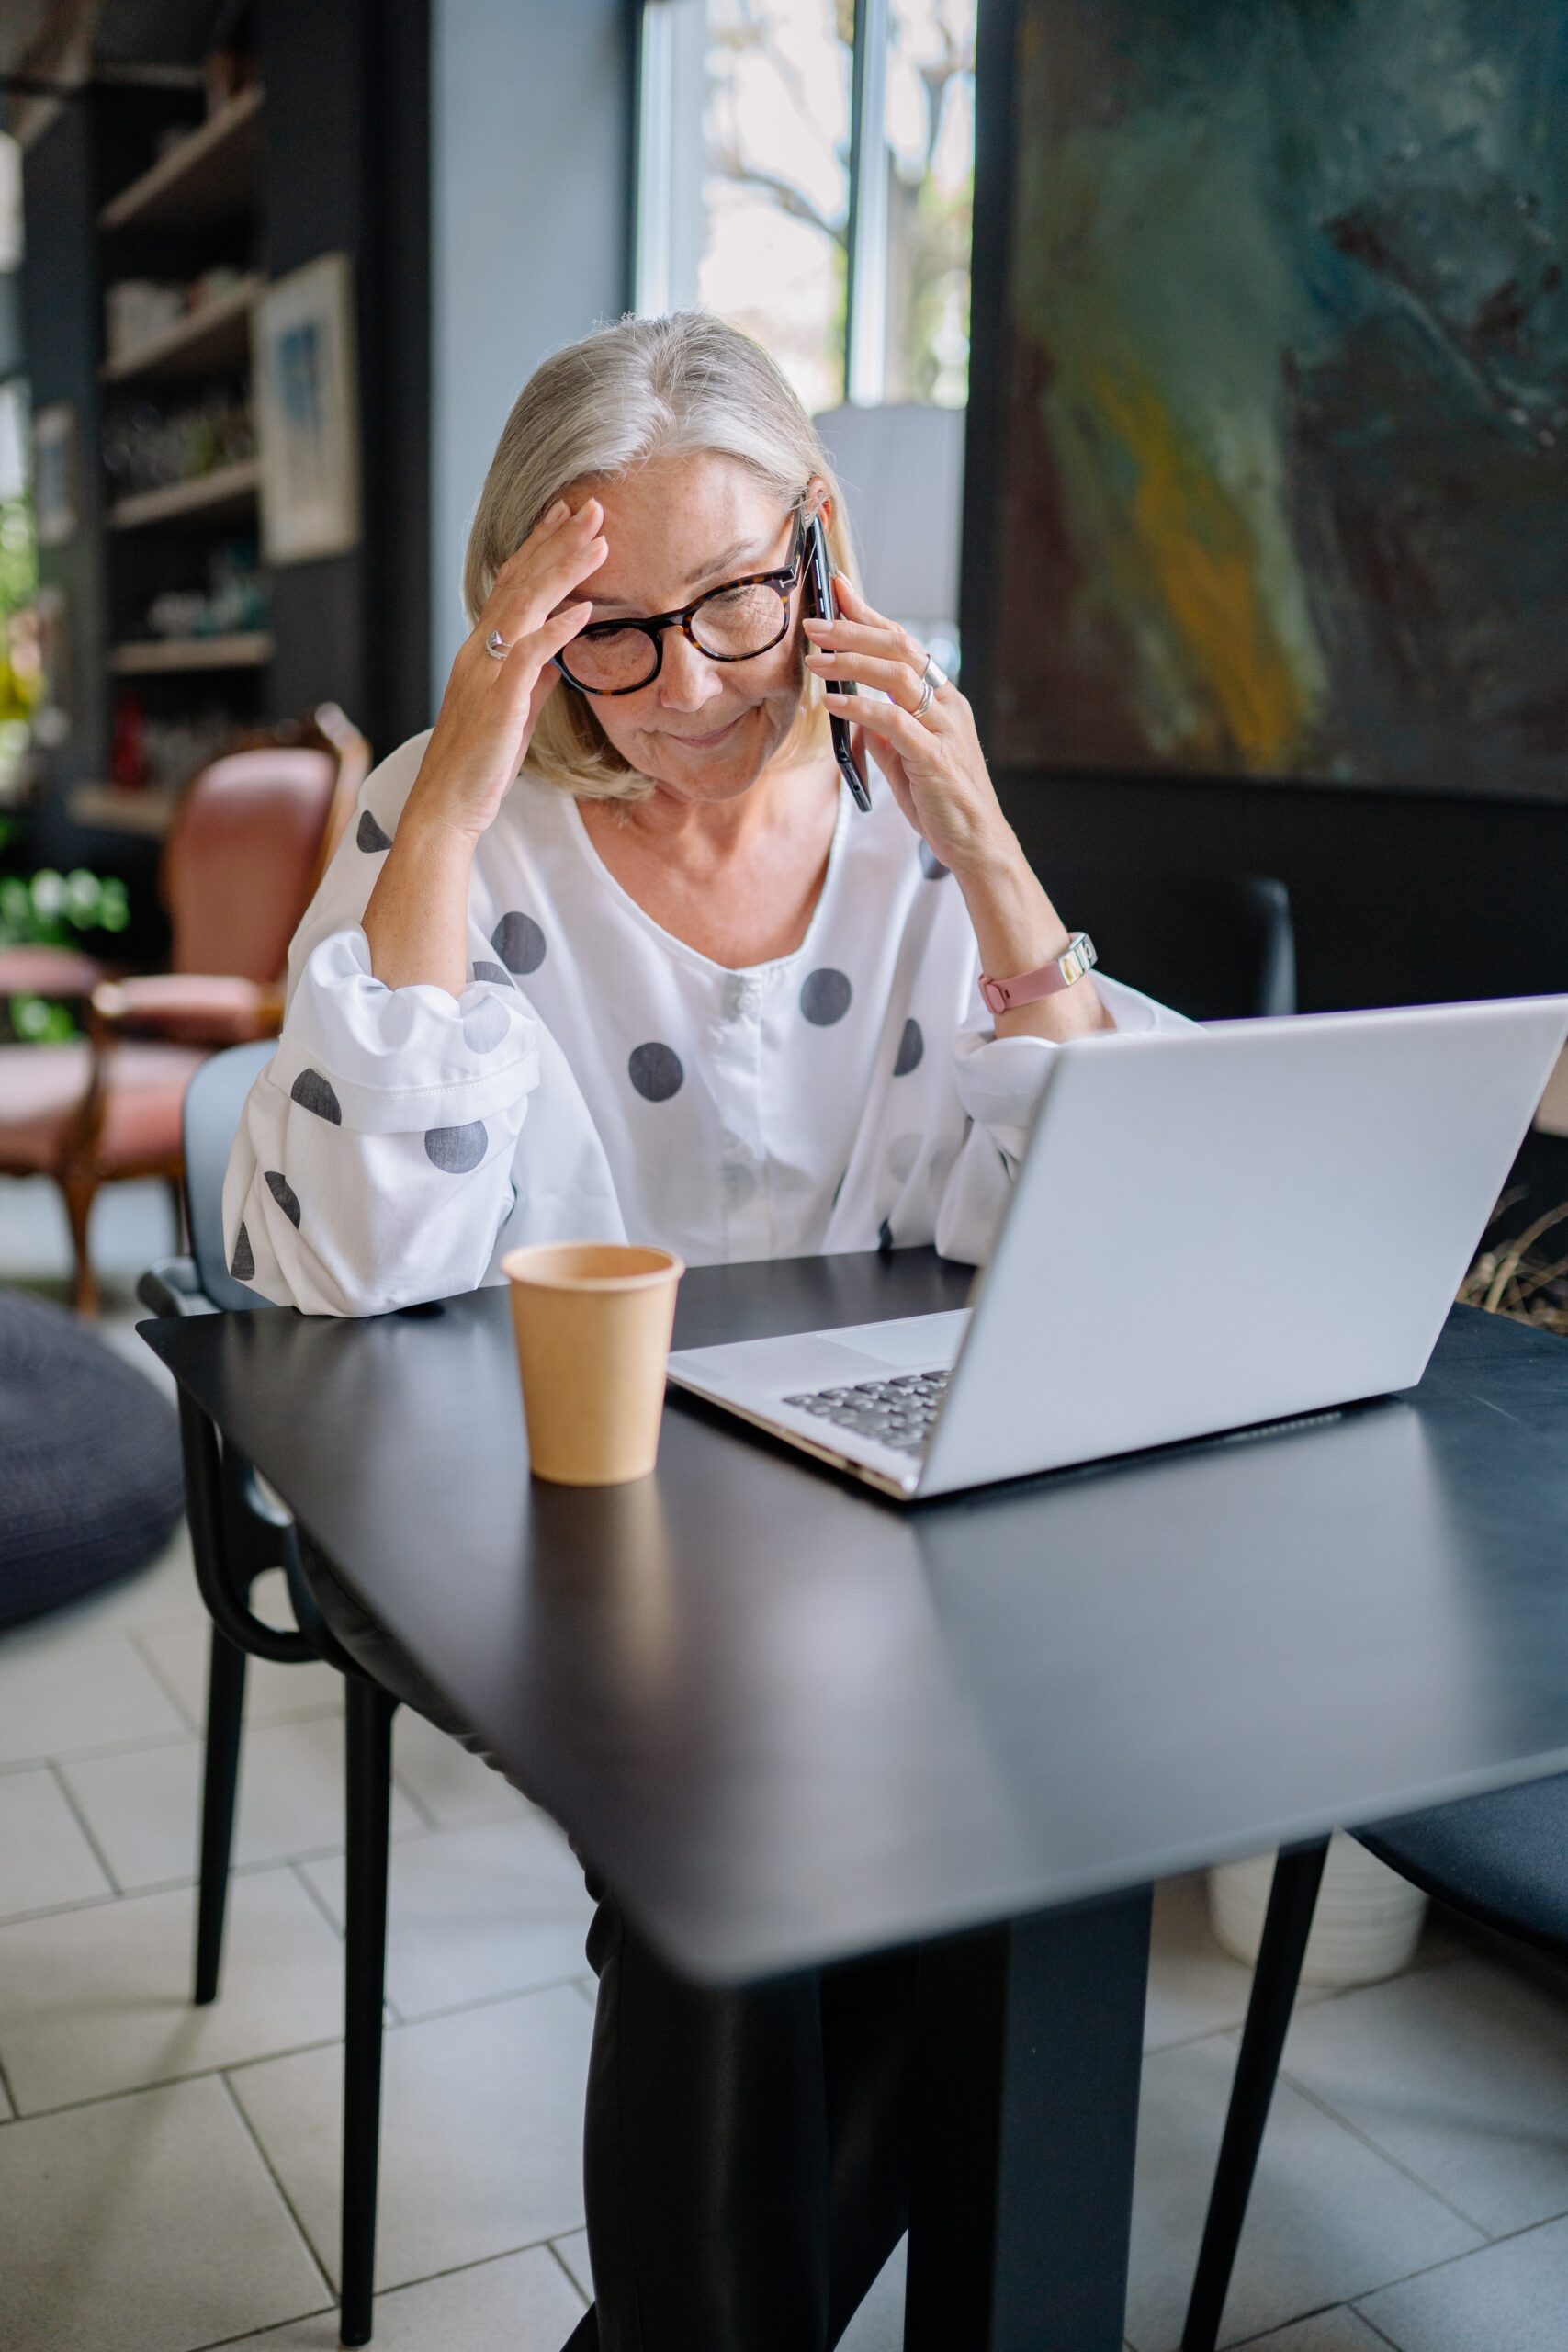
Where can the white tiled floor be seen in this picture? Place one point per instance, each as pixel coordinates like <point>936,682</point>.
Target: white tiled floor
<point>178,1654</point>
<point>146,2223</point>
<point>168,2178</point>
<point>476,1913</point>
<point>141,1809</point>
<point>45,1859</point>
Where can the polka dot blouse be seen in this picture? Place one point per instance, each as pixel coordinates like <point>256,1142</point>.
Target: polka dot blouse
<point>599,1079</point>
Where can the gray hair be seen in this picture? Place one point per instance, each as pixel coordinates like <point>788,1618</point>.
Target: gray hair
<point>681,386</point>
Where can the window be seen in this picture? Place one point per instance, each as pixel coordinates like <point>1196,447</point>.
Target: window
<point>776,182</point>
<point>806,168</point>
<point>928,163</point>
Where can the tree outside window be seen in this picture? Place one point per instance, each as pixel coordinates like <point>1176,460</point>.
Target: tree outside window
<point>774,183</point>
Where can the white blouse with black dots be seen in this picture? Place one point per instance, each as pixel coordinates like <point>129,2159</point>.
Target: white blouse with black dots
<point>600,1079</point>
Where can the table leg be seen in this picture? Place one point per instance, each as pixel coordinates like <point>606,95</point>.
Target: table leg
<point>1029,2049</point>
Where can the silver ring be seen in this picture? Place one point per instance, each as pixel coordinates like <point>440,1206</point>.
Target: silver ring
<point>496,646</point>
<point>932,676</point>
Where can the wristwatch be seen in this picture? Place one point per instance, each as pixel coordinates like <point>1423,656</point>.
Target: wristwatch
<point>1076,958</point>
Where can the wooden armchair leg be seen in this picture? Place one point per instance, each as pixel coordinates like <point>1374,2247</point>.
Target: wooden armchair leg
<point>80,1191</point>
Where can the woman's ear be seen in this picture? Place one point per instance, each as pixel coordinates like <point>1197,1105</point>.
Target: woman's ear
<point>818,500</point>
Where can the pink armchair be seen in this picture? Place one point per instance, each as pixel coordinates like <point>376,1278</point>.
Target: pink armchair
<point>248,845</point>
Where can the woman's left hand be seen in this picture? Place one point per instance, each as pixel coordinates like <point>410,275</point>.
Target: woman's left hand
<point>938,775</point>
<point>934,765</point>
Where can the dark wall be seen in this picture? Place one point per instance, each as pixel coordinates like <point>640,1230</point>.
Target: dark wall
<point>1399,898</point>
<point>345,168</point>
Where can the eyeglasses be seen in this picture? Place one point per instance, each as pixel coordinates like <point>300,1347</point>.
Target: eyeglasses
<point>732,623</point>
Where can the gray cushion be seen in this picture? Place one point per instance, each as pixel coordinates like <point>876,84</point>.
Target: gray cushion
<point>1503,1858</point>
<point>90,1479</point>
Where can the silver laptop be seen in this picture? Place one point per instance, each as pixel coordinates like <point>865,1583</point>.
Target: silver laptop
<point>1211,1228</point>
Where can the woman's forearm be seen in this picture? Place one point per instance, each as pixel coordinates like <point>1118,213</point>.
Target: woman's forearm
<point>929,752</point>
<point>1018,930</point>
<point>417,921</point>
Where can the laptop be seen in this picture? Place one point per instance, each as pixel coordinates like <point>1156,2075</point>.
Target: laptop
<point>1212,1228</point>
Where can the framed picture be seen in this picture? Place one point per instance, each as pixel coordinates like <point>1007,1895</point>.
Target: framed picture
<point>56,497</point>
<point>1269,393</point>
<point>307,413</point>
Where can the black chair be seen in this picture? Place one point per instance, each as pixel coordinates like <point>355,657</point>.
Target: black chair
<point>1502,1860</point>
<point>1214,946</point>
<point>238,1531</point>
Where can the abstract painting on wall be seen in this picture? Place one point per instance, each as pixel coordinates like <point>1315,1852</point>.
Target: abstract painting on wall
<point>1285,481</point>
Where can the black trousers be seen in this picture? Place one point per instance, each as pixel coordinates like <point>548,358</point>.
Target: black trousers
<point>746,2154</point>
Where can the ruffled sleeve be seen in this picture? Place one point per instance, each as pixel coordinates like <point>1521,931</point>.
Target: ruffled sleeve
<point>373,1168</point>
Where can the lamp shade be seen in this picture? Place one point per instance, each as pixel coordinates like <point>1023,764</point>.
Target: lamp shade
<point>902,472</point>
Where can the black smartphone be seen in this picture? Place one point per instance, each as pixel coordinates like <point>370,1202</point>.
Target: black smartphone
<point>819,604</point>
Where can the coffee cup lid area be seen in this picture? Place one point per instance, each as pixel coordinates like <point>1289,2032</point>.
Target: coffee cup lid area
<point>591,1265</point>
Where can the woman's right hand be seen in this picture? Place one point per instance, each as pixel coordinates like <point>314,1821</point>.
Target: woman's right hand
<point>489,711</point>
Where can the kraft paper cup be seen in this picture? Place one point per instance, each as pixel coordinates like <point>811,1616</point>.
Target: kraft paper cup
<point>592,1321</point>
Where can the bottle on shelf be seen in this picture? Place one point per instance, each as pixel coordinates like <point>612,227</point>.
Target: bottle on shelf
<point>127,754</point>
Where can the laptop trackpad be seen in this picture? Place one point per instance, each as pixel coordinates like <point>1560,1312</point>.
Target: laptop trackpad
<point>822,1359</point>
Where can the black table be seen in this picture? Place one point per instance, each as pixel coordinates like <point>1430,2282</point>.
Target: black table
<point>793,1721</point>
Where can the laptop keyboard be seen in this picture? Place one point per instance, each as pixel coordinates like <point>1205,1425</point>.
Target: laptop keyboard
<point>897,1412</point>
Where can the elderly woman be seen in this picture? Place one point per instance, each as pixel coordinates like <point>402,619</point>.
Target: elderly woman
<point>610,953</point>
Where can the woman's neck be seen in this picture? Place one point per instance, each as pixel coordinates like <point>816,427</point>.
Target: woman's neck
<point>739,880</point>
<point>714,834</point>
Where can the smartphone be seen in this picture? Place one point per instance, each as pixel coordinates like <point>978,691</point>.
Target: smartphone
<point>819,604</point>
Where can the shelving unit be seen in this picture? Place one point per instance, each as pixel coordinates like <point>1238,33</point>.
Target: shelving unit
<point>172,656</point>
<point>211,341</point>
<point>208,178</point>
<point>115,810</point>
<point>194,210</point>
<point>184,179</point>
<point>227,494</point>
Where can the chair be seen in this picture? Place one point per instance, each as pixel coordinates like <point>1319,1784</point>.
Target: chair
<point>1498,1859</point>
<point>1214,946</point>
<point>238,1530</point>
<point>249,844</point>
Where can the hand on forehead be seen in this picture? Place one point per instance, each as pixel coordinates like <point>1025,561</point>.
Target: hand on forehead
<point>678,525</point>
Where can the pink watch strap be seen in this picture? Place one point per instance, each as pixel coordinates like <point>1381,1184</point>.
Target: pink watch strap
<point>1076,958</point>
